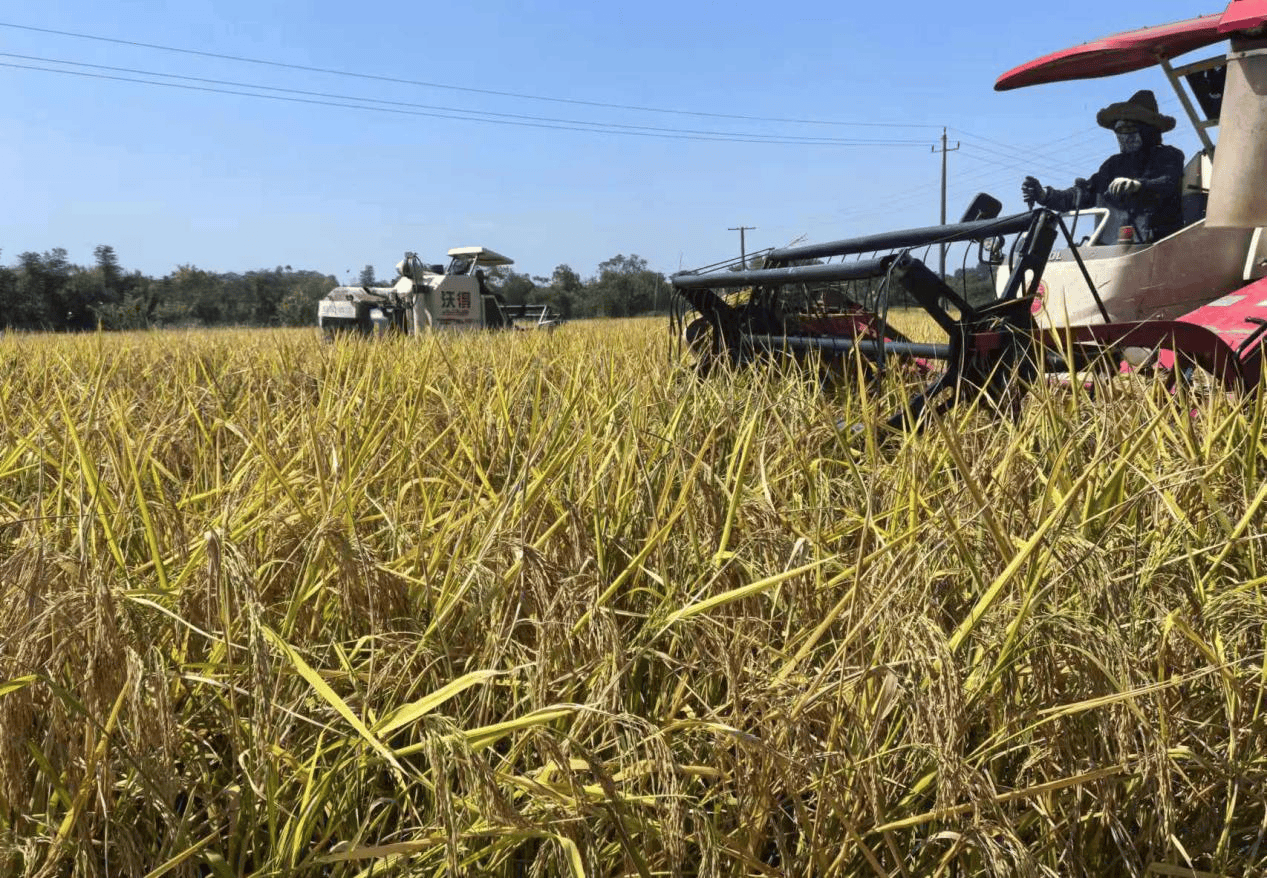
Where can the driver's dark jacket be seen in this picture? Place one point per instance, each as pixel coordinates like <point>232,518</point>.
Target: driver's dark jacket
<point>1154,210</point>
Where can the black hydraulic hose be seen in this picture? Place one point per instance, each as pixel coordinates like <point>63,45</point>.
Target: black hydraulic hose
<point>1253,337</point>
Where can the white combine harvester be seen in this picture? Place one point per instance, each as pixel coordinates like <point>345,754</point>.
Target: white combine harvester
<point>431,297</point>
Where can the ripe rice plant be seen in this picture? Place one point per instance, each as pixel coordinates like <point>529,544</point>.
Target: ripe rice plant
<point>537,604</point>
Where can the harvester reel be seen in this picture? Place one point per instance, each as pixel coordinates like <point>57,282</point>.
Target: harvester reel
<point>705,341</point>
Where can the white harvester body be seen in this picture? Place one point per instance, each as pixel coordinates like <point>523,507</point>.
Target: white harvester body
<point>431,297</point>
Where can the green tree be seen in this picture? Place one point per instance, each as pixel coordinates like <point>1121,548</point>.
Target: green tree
<point>975,284</point>
<point>11,305</point>
<point>625,287</point>
<point>42,290</point>
<point>192,294</point>
<point>135,304</point>
<point>367,278</point>
<point>517,288</point>
<point>110,272</point>
<point>299,306</point>
<point>564,291</point>
<point>266,290</point>
<point>238,299</point>
<point>46,291</point>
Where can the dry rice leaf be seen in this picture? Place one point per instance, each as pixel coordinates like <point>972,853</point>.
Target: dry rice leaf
<point>408,713</point>
<point>17,683</point>
<point>735,594</point>
<point>329,695</point>
<point>1013,795</point>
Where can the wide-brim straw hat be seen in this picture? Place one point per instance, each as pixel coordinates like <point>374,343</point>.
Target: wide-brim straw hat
<point>1141,108</point>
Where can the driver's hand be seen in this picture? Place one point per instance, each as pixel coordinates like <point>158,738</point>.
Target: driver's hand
<point>1032,191</point>
<point>1124,186</point>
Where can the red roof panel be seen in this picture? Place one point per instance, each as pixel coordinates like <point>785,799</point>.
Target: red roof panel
<point>1243,15</point>
<point>1122,53</point>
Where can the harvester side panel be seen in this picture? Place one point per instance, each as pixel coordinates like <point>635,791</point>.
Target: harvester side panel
<point>1161,281</point>
<point>455,303</point>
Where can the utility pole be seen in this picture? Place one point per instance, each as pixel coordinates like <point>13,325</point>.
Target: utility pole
<point>743,252</point>
<point>944,149</point>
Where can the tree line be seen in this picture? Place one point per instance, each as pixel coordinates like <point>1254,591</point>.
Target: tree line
<point>46,291</point>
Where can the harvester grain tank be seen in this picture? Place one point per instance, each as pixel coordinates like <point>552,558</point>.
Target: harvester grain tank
<point>1076,291</point>
<point>425,297</point>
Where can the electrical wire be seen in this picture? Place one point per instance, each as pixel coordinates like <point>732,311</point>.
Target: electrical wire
<point>1038,152</point>
<point>962,183</point>
<point>1045,161</point>
<point>467,89</point>
<point>471,116</point>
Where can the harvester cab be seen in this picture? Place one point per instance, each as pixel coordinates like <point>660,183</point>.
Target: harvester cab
<point>1110,272</point>
<point>430,296</point>
<point>1074,293</point>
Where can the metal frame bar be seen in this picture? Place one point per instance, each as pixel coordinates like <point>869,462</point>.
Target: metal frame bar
<point>1177,84</point>
<point>840,345</point>
<point>838,271</point>
<point>906,239</point>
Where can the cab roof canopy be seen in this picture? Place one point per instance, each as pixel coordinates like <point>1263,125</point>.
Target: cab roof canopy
<point>1136,49</point>
<point>481,256</point>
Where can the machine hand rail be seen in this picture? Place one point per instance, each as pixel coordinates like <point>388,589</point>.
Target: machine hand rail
<point>906,238</point>
<point>837,271</point>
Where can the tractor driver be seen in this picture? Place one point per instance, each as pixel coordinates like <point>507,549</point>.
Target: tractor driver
<point>1143,179</point>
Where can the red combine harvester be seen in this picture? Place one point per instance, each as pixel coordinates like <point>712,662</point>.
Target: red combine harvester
<point>1196,298</point>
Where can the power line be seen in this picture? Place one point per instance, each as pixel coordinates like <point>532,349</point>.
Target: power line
<point>1000,163</point>
<point>915,195</point>
<point>1026,149</point>
<point>918,195</point>
<point>909,197</point>
<point>1084,160</point>
<point>473,115</point>
<point>1085,135</point>
<point>1046,161</point>
<point>468,89</point>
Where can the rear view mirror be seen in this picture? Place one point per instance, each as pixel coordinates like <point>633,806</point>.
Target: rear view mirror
<point>983,207</point>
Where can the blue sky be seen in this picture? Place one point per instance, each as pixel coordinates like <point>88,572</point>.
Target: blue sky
<point>231,182</point>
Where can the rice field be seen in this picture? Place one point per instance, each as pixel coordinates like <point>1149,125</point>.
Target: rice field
<point>547,604</point>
